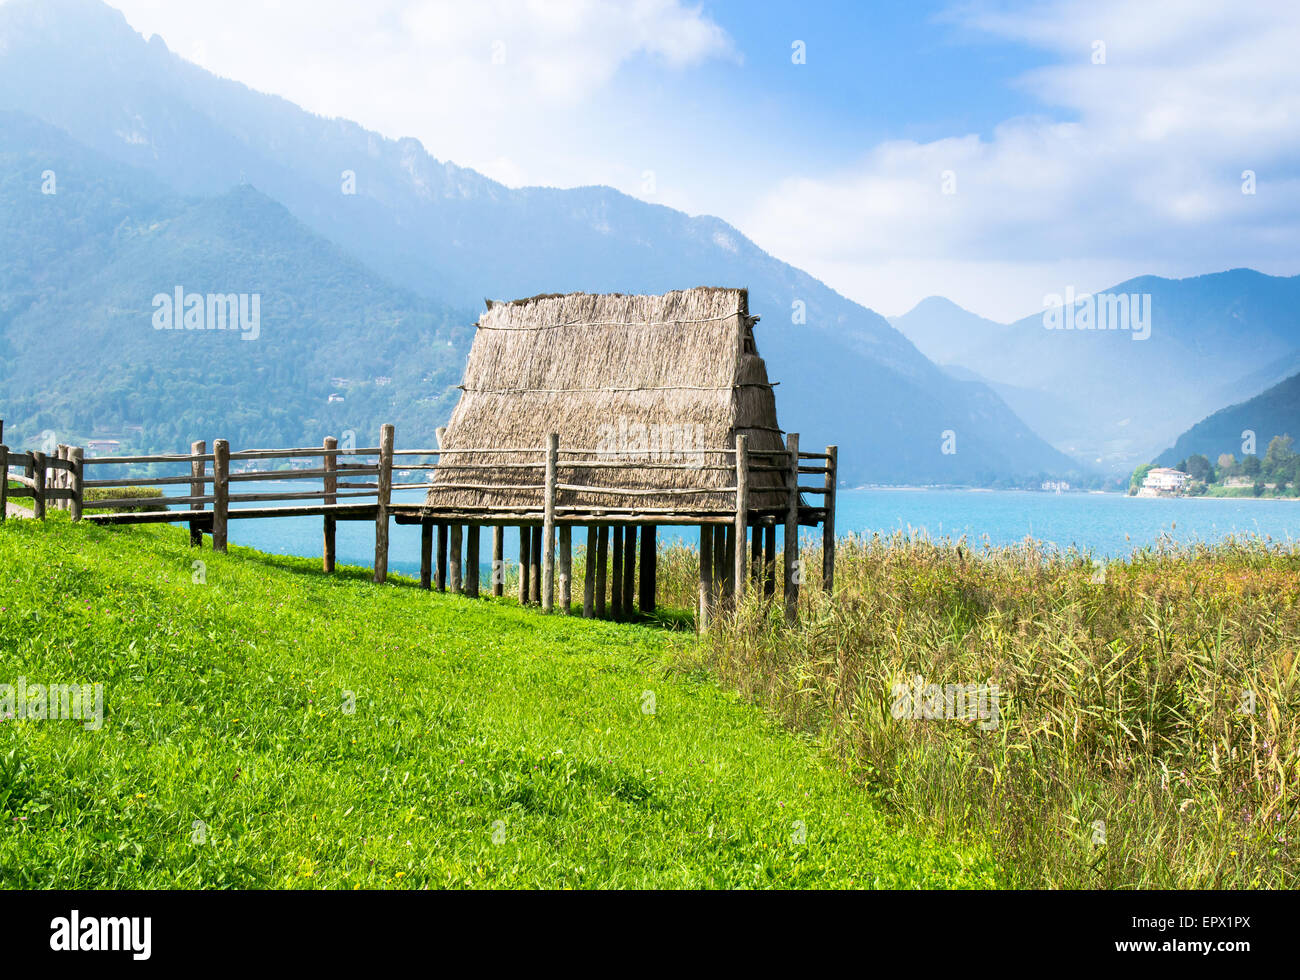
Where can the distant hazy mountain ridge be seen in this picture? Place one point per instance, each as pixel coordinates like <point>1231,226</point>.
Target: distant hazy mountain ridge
<point>1244,429</point>
<point>1173,352</point>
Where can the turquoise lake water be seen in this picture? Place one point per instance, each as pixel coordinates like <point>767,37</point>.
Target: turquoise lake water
<point>1108,525</point>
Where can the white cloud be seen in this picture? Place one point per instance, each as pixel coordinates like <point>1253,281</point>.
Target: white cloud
<point>509,87</point>
<point>1145,177</point>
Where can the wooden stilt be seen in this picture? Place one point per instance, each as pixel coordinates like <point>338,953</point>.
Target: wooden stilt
<point>616,576</point>
<point>602,568</point>
<point>704,612</point>
<point>589,575</point>
<point>548,525</point>
<point>739,554</point>
<point>566,569</point>
<point>455,577</point>
<point>525,543</point>
<point>535,568</point>
<point>498,560</point>
<point>769,561</point>
<point>426,554</point>
<point>719,568</point>
<point>729,569</point>
<point>471,560</point>
<point>629,569</point>
<point>649,559</point>
<point>756,557</point>
<point>440,574</point>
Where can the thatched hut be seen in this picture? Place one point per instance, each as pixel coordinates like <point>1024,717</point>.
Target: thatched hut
<point>622,411</point>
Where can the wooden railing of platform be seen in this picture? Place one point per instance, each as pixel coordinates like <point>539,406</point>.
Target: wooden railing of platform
<point>358,484</point>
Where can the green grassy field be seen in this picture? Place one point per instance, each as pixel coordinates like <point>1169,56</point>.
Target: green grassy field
<point>276,727</point>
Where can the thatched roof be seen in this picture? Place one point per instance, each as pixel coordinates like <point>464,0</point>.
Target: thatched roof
<point>652,377</point>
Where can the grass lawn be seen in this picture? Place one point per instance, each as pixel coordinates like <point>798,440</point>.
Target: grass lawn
<point>276,727</point>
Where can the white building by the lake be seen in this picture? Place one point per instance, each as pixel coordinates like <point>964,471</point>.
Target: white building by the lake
<point>1164,482</point>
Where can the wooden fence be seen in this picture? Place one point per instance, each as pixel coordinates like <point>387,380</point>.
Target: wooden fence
<point>357,485</point>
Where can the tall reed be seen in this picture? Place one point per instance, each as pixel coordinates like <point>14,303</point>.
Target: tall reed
<point>1147,710</point>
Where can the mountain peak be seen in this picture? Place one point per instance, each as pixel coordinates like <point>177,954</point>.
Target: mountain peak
<point>66,20</point>
<point>935,304</point>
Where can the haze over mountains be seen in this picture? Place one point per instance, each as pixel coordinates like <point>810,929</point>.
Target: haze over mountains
<point>80,352</point>
<point>1275,412</point>
<point>1112,399</point>
<point>252,194</point>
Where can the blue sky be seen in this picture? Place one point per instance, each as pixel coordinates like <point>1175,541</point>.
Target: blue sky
<point>1064,170</point>
<point>874,71</point>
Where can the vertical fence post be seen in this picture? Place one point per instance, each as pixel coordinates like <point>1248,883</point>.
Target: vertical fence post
<point>703,615</point>
<point>793,571</point>
<point>455,577</point>
<point>498,560</point>
<point>198,469</point>
<point>740,572</point>
<point>38,494</point>
<point>589,575</point>
<point>381,508</point>
<point>602,568</point>
<point>649,569</point>
<point>77,455</point>
<point>65,478</point>
<point>4,480</point>
<point>828,524</point>
<point>566,568</point>
<point>548,524</point>
<point>472,534</point>
<point>220,492</point>
<point>329,525</point>
<point>56,479</point>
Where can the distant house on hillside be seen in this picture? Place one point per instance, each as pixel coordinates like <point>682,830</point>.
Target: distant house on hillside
<point>103,446</point>
<point>1164,482</point>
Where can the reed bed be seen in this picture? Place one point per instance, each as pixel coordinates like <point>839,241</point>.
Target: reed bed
<point>1146,729</point>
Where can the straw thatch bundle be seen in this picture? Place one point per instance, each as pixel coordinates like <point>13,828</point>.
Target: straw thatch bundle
<point>641,379</point>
